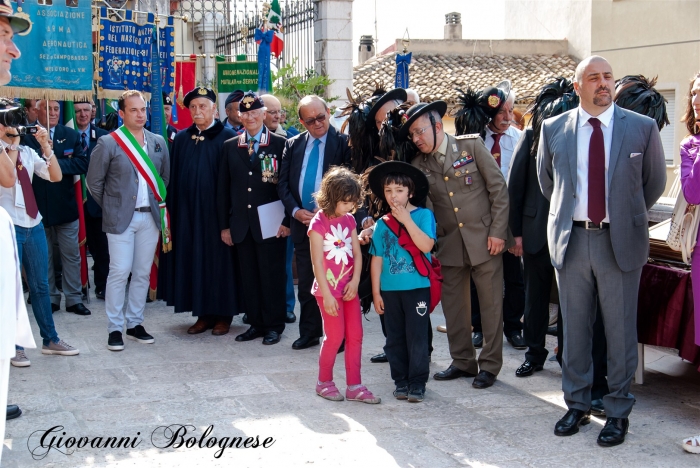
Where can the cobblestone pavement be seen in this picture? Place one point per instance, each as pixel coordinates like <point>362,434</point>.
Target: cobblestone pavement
<point>247,390</point>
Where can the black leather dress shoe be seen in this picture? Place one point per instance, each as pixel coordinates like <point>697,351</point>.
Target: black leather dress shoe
<point>290,318</point>
<point>305,342</point>
<point>244,319</point>
<point>568,425</point>
<point>484,380</point>
<point>79,309</point>
<point>55,307</point>
<point>527,368</point>
<point>613,432</point>
<point>100,295</point>
<point>271,337</point>
<point>13,412</point>
<point>516,341</point>
<point>478,340</point>
<point>597,407</point>
<point>452,373</point>
<point>379,358</point>
<point>249,334</point>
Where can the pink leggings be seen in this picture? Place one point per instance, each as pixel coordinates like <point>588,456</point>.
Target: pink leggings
<point>346,325</point>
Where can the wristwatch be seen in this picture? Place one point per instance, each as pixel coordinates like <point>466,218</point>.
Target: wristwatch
<point>12,147</point>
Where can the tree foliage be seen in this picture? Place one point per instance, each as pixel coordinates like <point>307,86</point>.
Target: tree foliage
<point>290,87</point>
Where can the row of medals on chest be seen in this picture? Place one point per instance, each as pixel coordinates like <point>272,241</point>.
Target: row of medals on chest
<point>268,164</point>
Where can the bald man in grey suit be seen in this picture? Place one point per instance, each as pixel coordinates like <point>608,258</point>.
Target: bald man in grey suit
<point>602,168</point>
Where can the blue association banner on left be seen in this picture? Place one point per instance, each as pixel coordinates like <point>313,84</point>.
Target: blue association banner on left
<point>56,60</point>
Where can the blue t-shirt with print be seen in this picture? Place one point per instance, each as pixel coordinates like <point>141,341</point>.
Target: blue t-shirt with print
<point>398,270</point>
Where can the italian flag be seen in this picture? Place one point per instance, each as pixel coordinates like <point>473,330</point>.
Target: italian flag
<point>80,199</point>
<point>274,18</point>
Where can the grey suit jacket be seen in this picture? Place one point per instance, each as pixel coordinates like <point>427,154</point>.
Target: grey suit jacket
<point>635,183</point>
<point>113,181</point>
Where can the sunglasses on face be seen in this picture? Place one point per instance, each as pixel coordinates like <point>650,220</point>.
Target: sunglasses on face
<point>320,118</point>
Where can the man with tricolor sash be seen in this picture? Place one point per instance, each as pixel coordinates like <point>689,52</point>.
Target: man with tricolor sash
<point>129,170</point>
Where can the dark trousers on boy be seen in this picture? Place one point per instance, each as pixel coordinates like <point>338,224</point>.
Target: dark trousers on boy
<point>407,322</point>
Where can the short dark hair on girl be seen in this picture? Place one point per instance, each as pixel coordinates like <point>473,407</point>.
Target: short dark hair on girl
<point>338,185</point>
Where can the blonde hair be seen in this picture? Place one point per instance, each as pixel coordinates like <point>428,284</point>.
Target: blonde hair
<point>338,185</point>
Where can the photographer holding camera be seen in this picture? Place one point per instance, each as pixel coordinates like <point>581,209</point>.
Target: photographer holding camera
<point>20,203</point>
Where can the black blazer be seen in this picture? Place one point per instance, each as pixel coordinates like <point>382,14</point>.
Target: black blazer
<point>529,209</point>
<point>241,189</point>
<point>91,206</point>
<point>336,153</point>
<point>56,200</point>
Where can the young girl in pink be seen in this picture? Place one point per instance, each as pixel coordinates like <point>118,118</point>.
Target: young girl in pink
<point>337,262</point>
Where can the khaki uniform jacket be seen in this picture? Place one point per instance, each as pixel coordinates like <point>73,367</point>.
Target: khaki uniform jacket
<point>466,213</point>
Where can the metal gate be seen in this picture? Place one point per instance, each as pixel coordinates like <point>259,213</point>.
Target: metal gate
<point>238,37</point>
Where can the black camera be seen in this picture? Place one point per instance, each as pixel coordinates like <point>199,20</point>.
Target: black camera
<point>13,117</point>
<point>27,130</point>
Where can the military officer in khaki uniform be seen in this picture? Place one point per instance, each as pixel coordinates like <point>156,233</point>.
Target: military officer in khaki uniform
<point>470,201</point>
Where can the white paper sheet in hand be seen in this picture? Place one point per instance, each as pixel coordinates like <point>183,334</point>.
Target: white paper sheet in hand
<point>271,217</point>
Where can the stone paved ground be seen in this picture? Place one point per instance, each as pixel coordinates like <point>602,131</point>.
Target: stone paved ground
<point>247,389</point>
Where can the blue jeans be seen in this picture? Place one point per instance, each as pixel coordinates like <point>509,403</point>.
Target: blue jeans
<point>290,280</point>
<point>33,252</point>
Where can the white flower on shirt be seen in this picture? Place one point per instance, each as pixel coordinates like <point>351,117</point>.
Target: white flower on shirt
<point>338,245</point>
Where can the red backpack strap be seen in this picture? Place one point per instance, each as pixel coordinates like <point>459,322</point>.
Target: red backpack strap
<point>419,259</point>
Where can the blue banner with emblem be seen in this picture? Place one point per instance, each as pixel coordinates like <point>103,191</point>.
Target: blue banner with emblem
<point>125,55</point>
<point>56,52</point>
<point>166,38</point>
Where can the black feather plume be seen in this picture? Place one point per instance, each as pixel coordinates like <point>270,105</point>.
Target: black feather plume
<point>637,93</point>
<point>470,118</point>
<point>556,97</point>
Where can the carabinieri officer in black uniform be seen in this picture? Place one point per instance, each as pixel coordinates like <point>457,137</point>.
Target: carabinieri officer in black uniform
<point>248,179</point>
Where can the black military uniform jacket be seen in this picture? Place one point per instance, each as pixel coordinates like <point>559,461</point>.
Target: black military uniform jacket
<point>241,187</point>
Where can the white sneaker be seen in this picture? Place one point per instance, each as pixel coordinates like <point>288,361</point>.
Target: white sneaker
<point>62,348</point>
<point>20,359</point>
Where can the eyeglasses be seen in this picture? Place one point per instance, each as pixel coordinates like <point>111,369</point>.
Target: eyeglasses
<point>249,115</point>
<point>417,133</point>
<point>320,118</point>
<point>274,113</point>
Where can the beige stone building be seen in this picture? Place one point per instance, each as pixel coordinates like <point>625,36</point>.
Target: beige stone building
<point>649,37</point>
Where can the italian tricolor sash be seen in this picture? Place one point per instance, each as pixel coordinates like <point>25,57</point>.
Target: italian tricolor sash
<point>143,164</point>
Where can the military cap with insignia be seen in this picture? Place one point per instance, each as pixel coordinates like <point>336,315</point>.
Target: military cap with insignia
<point>493,97</point>
<point>235,96</point>
<point>397,94</point>
<point>167,100</point>
<point>416,111</point>
<point>250,101</point>
<point>199,92</point>
<point>19,23</point>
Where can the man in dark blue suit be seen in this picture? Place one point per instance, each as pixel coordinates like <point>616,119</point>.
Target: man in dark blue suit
<point>96,238</point>
<point>305,160</point>
<point>58,207</point>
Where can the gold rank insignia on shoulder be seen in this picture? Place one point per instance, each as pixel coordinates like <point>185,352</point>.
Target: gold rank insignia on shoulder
<point>470,136</point>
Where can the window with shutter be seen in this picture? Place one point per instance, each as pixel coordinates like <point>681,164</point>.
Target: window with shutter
<point>668,132</point>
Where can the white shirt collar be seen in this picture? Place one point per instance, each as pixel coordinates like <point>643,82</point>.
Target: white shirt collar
<point>604,118</point>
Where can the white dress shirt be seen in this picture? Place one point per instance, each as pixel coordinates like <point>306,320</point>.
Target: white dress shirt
<point>12,199</point>
<point>142,193</point>
<point>583,141</point>
<point>508,141</point>
<point>319,169</point>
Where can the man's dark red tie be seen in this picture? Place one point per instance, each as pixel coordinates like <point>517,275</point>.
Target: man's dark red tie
<point>596,173</point>
<point>27,191</point>
<point>496,148</point>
